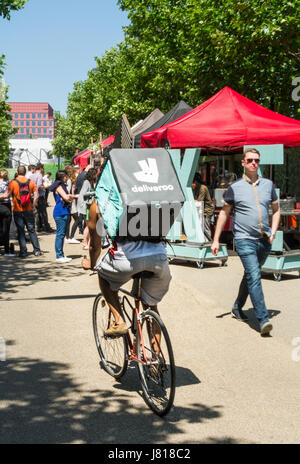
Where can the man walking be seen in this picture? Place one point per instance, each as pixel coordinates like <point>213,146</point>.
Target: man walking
<point>250,198</point>
<point>22,189</point>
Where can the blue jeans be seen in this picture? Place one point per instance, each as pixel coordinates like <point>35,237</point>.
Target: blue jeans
<point>253,254</point>
<point>23,219</point>
<point>61,228</point>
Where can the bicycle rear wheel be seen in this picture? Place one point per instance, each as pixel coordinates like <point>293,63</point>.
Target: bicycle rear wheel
<point>112,350</point>
<point>156,366</point>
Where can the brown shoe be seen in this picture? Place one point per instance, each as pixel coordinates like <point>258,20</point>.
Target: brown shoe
<point>116,329</point>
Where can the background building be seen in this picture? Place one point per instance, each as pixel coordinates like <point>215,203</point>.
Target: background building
<point>34,120</point>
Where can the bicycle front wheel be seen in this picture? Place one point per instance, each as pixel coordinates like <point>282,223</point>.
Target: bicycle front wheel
<point>112,350</point>
<point>156,363</point>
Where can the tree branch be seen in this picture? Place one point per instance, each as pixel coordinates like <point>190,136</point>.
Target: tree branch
<point>295,55</point>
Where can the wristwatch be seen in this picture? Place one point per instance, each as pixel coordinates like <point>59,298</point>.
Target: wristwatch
<point>273,235</point>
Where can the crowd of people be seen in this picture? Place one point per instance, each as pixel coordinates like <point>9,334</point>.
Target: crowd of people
<point>24,202</point>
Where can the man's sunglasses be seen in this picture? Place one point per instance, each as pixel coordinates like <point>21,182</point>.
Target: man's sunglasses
<point>249,160</point>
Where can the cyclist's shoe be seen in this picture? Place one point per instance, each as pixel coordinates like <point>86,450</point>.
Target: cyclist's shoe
<point>115,330</point>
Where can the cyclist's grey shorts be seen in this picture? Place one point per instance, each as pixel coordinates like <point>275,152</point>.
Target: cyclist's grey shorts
<point>119,271</point>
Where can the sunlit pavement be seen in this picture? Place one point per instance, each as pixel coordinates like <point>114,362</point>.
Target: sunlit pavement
<point>233,386</point>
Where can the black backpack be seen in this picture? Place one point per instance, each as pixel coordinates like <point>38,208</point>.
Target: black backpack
<point>24,192</point>
<point>138,194</point>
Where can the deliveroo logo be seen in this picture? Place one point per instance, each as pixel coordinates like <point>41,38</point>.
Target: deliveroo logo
<point>149,171</point>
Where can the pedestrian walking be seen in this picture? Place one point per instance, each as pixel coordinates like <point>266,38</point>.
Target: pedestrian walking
<point>5,214</point>
<point>250,197</point>
<point>70,232</point>
<point>22,190</point>
<point>83,205</point>
<point>61,213</point>
<point>42,222</point>
<point>30,172</point>
<point>78,186</point>
<point>46,184</point>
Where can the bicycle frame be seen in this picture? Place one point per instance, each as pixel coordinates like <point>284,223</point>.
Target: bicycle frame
<point>135,325</point>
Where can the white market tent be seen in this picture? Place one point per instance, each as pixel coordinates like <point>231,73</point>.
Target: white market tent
<point>31,151</point>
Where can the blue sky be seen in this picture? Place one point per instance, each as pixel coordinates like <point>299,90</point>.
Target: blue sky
<point>51,44</point>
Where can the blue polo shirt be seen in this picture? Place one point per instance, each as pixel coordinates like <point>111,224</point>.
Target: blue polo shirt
<point>250,202</point>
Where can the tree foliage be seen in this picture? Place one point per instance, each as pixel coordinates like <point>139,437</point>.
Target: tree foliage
<point>6,130</point>
<point>6,6</point>
<point>190,49</point>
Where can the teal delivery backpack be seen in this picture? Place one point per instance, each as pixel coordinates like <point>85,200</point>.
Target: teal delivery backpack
<point>139,195</point>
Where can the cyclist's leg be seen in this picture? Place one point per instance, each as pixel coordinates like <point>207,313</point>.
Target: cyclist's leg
<point>112,275</point>
<point>112,298</point>
<point>153,289</point>
<point>155,333</point>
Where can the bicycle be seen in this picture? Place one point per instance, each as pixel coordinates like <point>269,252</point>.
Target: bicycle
<point>147,343</point>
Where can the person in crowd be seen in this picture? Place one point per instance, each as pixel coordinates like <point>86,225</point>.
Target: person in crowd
<point>5,214</point>
<point>201,193</point>
<point>78,186</point>
<point>42,222</point>
<point>250,197</point>
<point>72,176</point>
<point>30,173</point>
<point>46,184</point>
<point>61,213</point>
<point>83,205</point>
<point>22,191</point>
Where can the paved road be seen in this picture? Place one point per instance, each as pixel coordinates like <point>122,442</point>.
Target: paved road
<point>233,385</point>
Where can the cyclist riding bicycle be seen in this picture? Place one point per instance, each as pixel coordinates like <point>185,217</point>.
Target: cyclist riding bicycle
<point>123,260</point>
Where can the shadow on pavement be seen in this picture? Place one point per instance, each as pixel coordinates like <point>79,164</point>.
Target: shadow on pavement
<point>56,297</point>
<point>284,276</point>
<point>252,321</point>
<point>16,272</point>
<point>41,403</point>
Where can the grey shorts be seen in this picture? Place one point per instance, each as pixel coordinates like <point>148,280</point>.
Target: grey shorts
<point>119,271</point>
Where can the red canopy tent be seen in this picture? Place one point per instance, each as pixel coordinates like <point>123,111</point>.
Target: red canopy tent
<point>226,120</point>
<point>108,141</point>
<point>83,158</point>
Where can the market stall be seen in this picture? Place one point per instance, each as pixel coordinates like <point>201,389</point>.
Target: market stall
<point>145,125</point>
<point>223,125</point>
<point>84,158</point>
<point>176,112</point>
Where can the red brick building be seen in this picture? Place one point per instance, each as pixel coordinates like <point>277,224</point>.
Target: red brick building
<point>34,120</point>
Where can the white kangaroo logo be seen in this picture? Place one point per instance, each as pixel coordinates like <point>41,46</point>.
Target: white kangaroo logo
<point>149,172</point>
